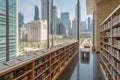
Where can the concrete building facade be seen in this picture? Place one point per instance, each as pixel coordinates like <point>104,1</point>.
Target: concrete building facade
<point>37,31</point>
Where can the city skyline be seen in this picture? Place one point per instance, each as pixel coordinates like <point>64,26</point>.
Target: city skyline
<point>27,8</point>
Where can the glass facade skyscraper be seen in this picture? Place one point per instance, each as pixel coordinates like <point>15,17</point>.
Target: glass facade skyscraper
<point>65,23</point>
<point>2,29</point>
<point>7,29</point>
<point>36,13</point>
<point>44,11</point>
<point>20,19</point>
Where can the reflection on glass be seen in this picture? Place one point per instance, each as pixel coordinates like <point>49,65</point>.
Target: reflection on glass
<point>85,58</point>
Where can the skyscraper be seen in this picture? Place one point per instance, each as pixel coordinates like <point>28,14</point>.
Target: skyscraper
<point>58,26</point>
<point>44,9</point>
<point>83,26</point>
<point>7,29</point>
<point>36,17</point>
<point>20,19</point>
<point>74,29</point>
<point>65,23</point>
<point>91,29</point>
<point>89,25</point>
<point>54,20</point>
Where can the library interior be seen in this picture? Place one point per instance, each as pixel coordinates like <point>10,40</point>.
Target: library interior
<point>59,39</point>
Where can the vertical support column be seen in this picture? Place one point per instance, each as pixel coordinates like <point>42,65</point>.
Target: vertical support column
<point>7,30</point>
<point>47,24</point>
<point>78,22</point>
<point>93,31</point>
<point>52,24</point>
<point>78,19</point>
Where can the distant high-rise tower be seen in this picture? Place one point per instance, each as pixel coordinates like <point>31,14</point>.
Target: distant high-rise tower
<point>89,25</point>
<point>65,23</point>
<point>44,9</point>
<point>36,17</point>
<point>20,19</point>
<point>54,20</point>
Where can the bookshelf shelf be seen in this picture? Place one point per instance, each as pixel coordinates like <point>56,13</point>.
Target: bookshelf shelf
<point>103,72</point>
<point>110,45</point>
<point>44,64</point>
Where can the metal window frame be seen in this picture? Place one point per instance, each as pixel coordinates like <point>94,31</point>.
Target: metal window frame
<point>7,30</point>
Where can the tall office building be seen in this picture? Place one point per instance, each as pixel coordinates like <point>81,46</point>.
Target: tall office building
<point>89,24</point>
<point>37,31</point>
<point>76,12</point>
<point>74,29</point>
<point>58,26</point>
<point>36,17</point>
<point>54,20</point>
<point>7,29</point>
<point>83,26</point>
<point>20,19</point>
<point>91,29</point>
<point>44,11</point>
<point>65,23</point>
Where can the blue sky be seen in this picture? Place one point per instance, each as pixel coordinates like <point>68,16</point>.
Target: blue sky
<point>27,8</point>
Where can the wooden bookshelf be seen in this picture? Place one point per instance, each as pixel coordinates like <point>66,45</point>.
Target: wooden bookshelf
<point>46,64</point>
<point>110,45</point>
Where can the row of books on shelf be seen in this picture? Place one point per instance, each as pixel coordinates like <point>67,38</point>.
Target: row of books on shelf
<point>54,66</point>
<point>54,59</point>
<point>16,73</point>
<point>116,64</point>
<point>107,40</point>
<point>108,48</point>
<point>116,19</point>
<point>41,60</point>
<point>107,55</point>
<point>54,73</point>
<point>106,72</point>
<point>116,31</point>
<point>116,53</point>
<point>110,73</point>
<point>116,42</point>
<point>107,34</point>
<point>106,26</point>
<point>115,75</point>
<point>44,75</point>
<point>26,77</point>
<point>54,54</point>
<point>41,68</point>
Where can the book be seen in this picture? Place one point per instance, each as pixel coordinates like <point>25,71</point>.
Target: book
<point>19,72</point>
<point>24,78</point>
